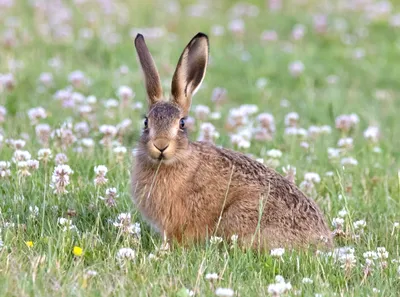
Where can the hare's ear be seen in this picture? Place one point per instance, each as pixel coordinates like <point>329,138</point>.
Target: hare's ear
<point>152,78</point>
<point>190,71</point>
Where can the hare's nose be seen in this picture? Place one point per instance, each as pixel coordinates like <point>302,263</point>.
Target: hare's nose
<point>161,144</point>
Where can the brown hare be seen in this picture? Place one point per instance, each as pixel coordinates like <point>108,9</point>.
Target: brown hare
<point>189,191</point>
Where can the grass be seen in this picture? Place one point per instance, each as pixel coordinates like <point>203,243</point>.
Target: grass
<point>367,86</point>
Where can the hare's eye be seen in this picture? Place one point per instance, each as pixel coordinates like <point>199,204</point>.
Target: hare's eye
<point>146,122</point>
<point>182,124</point>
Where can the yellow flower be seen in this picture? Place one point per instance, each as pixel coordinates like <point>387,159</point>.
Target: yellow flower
<point>77,251</point>
<point>29,243</point>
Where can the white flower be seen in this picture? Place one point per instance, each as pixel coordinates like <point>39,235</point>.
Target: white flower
<point>224,292</point>
<point>346,142</point>
<point>126,254</point>
<point>280,287</point>
<point>125,93</point>
<point>371,255</point>
<point>361,224</point>
<point>211,276</point>
<point>100,172</point>
<point>60,178</point>
<point>5,169</point>
<point>334,153</point>
<point>276,154</point>
<point>312,177</point>
<point>382,253</point>
<point>64,221</point>
<point>296,68</point>
<point>307,280</point>
<point>34,211</point>
<point>338,223</point>
<point>234,238</point>
<point>215,240</point>
<point>44,154</point>
<point>291,119</point>
<point>36,114</point>
<point>21,156</point>
<point>349,161</point>
<point>202,112</point>
<point>278,252</point>
<point>342,213</point>
<point>372,134</point>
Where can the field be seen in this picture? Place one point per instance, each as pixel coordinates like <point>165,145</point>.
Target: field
<point>310,88</point>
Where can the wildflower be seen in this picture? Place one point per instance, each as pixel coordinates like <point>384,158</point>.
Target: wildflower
<point>34,211</point>
<point>277,253</point>
<point>60,178</point>
<point>217,30</point>
<point>382,253</point>
<point>77,78</point>
<point>5,169</point>
<point>215,240</point>
<point>261,83</point>
<point>212,276</point>
<point>292,119</point>
<point>312,177</point>
<point>77,251</point>
<point>224,292</point>
<point>347,258</point>
<point>294,131</point>
<point>342,213</point>
<point>298,32</point>
<point>43,132</point>
<point>334,153</point>
<point>359,225</point>
<point>21,156</point>
<point>279,287</point>
<point>44,155</point>
<point>274,153</point>
<point>91,273</point>
<point>307,280</point>
<point>237,26</point>
<point>296,68</point>
<point>349,161</point>
<point>125,94</point>
<point>346,142</point>
<point>29,243</point>
<point>202,112</point>
<point>64,136</point>
<point>87,142</point>
<point>36,114</point>
<point>109,133</point>
<point>61,159</point>
<point>3,113</point>
<point>346,122</point>
<point>219,95</point>
<point>126,254</point>
<point>234,238</point>
<point>120,151</point>
<point>23,169</point>
<point>290,172</point>
<point>100,172</point>
<point>269,35</point>
<point>338,223</point>
<point>46,79</point>
<point>239,141</point>
<point>372,134</point>
<point>111,194</point>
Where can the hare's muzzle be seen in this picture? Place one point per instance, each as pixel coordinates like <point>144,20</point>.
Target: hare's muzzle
<point>161,144</point>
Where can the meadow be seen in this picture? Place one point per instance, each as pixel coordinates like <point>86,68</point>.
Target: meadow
<point>310,88</point>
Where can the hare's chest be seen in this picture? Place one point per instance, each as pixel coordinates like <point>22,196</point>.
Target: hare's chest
<point>160,203</point>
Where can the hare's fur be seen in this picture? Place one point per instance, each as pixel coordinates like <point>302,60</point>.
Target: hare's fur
<point>193,190</point>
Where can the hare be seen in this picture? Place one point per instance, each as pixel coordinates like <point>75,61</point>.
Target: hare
<point>189,191</point>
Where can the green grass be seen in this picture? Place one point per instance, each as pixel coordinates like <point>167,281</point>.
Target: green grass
<point>369,191</point>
